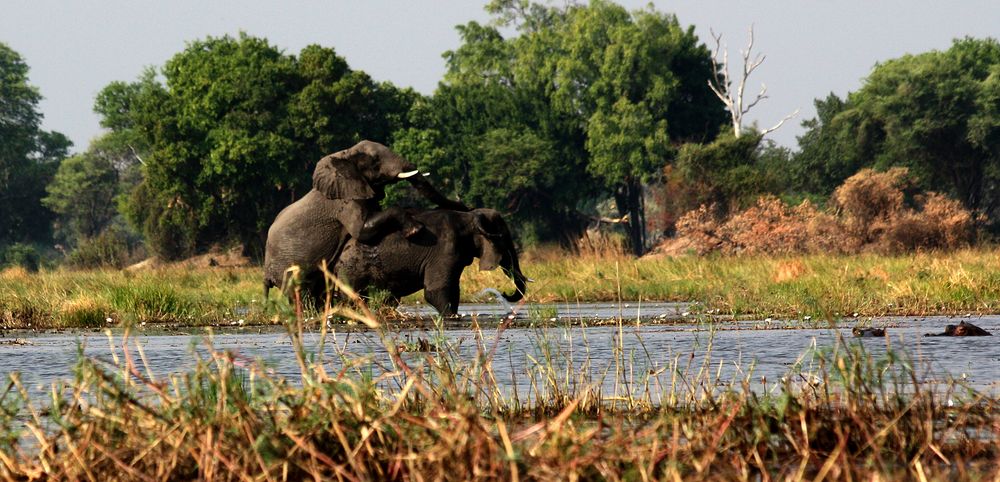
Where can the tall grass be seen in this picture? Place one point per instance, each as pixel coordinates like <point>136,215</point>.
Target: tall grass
<point>926,283</point>
<point>68,298</point>
<point>439,416</point>
<point>828,286</point>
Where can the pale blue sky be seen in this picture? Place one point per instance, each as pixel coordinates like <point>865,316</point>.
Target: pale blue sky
<point>76,47</point>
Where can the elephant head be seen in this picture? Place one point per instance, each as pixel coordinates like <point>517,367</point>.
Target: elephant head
<point>360,172</point>
<point>496,248</point>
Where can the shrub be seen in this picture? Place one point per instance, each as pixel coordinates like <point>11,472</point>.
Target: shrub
<point>871,201</point>
<point>874,211</point>
<point>940,223</point>
<point>107,250</point>
<point>703,230</point>
<point>23,255</point>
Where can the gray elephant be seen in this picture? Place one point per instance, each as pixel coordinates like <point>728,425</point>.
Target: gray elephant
<point>434,258</point>
<point>343,204</point>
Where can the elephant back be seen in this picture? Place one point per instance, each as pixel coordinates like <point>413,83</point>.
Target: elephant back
<point>305,233</point>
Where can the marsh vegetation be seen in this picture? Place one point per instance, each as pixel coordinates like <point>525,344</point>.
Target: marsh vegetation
<point>818,286</point>
<point>433,414</point>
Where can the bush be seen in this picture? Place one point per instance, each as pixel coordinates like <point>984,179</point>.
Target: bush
<point>23,255</point>
<point>770,226</point>
<point>874,211</point>
<point>941,223</point>
<point>109,249</point>
<point>871,202</point>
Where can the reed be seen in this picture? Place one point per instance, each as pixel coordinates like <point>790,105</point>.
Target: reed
<point>438,415</point>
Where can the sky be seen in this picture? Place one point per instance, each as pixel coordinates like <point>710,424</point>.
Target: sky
<point>75,48</point>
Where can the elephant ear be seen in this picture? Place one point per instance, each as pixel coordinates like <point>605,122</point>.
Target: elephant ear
<point>489,254</point>
<point>338,177</point>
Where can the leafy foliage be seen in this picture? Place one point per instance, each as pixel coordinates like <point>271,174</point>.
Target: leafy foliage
<point>28,155</point>
<point>935,113</point>
<point>588,101</point>
<point>23,255</point>
<point>82,193</point>
<point>233,134</point>
<point>109,249</point>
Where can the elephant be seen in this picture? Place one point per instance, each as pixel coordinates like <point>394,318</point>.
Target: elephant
<point>434,258</point>
<point>343,204</point>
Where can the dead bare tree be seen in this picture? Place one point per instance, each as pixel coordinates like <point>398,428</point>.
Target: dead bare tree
<point>722,85</point>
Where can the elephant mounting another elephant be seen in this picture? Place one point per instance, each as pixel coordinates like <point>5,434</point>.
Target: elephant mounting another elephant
<point>433,259</point>
<point>341,216</point>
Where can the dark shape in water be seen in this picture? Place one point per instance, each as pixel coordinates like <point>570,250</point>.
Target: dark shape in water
<point>962,329</point>
<point>422,346</point>
<point>868,332</point>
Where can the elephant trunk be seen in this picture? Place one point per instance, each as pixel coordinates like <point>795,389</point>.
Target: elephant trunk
<point>520,281</point>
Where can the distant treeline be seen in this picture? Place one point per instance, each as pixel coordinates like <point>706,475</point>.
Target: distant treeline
<point>586,109</point>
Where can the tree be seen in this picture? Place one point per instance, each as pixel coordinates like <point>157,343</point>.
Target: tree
<point>935,113</point>
<point>609,92</point>
<point>725,171</point>
<point>233,134</point>
<point>28,155</point>
<point>722,85</point>
<point>82,192</point>
<point>497,144</point>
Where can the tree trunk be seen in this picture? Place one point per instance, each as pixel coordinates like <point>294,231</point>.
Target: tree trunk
<point>629,200</point>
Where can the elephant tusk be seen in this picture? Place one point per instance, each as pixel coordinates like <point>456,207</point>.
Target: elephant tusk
<point>426,174</point>
<point>404,175</point>
<point>529,280</point>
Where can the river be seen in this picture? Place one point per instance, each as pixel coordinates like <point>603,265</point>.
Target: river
<point>582,344</point>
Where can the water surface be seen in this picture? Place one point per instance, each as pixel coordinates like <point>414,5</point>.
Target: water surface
<point>612,356</point>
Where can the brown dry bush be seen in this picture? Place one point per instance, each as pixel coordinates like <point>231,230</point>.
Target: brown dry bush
<point>702,230</point>
<point>871,201</point>
<point>768,227</point>
<point>772,227</point>
<point>941,223</point>
<point>871,214</point>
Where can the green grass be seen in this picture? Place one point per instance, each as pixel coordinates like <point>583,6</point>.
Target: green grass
<point>788,286</point>
<point>66,298</point>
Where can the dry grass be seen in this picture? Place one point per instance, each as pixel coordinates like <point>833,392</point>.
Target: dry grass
<point>440,416</point>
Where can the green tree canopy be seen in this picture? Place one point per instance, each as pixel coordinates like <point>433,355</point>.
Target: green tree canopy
<point>232,135</point>
<point>85,186</point>
<point>607,94</point>
<point>935,113</point>
<point>28,155</point>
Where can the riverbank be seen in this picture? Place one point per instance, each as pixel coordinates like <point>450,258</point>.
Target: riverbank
<point>791,287</point>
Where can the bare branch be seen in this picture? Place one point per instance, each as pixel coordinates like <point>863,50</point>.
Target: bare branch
<point>136,154</point>
<point>723,87</point>
<point>782,121</point>
<point>760,96</point>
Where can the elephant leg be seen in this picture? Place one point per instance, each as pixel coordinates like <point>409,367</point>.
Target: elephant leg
<point>441,290</point>
<point>384,222</point>
<point>443,301</point>
<point>315,290</point>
